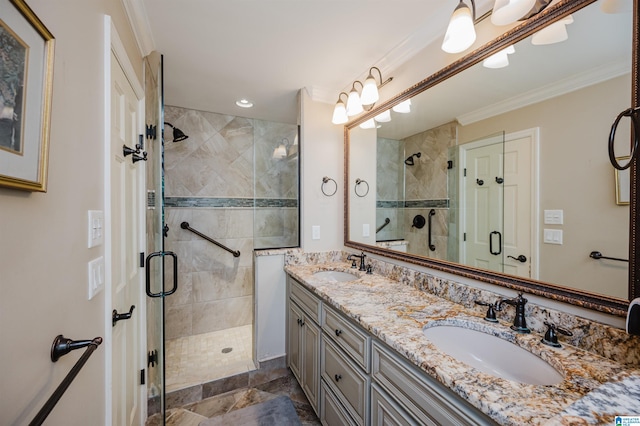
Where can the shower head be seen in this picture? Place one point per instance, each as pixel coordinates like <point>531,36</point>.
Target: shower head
<point>178,135</point>
<point>409,161</point>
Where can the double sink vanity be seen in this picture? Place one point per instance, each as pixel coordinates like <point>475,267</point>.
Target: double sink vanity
<point>369,349</point>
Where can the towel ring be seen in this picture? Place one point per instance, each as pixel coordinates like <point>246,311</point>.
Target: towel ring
<point>324,181</point>
<point>635,129</point>
<point>358,182</point>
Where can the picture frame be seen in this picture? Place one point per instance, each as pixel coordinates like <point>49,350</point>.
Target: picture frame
<point>623,183</point>
<point>26,86</point>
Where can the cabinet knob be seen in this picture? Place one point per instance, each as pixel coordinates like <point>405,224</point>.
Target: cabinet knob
<point>302,322</point>
<point>338,332</point>
<point>337,377</point>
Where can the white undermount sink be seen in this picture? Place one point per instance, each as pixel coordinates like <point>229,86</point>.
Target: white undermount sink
<point>492,355</point>
<point>335,276</point>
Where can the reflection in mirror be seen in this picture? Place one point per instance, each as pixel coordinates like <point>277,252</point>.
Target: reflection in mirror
<point>512,174</point>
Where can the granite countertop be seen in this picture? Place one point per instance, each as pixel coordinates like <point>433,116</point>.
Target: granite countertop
<point>396,314</point>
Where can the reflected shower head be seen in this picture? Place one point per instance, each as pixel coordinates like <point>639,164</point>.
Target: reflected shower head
<point>409,161</point>
<point>178,135</point>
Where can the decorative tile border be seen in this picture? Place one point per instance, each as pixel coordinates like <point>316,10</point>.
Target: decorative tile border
<point>194,202</point>
<point>413,204</point>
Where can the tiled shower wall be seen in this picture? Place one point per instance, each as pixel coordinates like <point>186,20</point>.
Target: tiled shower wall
<point>225,182</point>
<point>427,188</point>
<point>424,187</point>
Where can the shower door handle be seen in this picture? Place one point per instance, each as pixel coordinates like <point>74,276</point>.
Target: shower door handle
<point>162,293</point>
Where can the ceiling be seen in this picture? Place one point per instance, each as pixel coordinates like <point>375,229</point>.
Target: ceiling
<point>217,52</point>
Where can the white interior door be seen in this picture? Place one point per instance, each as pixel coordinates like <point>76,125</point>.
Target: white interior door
<point>483,205</point>
<point>500,196</point>
<point>126,224</point>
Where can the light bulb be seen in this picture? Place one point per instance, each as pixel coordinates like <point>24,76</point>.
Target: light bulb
<point>461,33</point>
<point>354,105</point>
<point>339,113</point>
<point>369,91</point>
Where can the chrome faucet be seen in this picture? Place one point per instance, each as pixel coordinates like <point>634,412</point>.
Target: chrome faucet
<point>519,322</point>
<point>361,256</point>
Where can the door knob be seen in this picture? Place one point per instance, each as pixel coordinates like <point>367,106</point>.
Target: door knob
<point>115,316</point>
<point>522,258</point>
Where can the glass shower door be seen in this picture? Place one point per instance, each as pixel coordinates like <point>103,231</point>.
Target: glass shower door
<point>154,232</point>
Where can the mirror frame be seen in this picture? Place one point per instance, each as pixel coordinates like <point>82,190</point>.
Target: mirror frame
<point>598,302</point>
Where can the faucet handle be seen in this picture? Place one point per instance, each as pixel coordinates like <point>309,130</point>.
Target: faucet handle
<point>491,310</point>
<point>551,336</point>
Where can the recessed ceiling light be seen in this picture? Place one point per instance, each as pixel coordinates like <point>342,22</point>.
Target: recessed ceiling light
<point>244,103</point>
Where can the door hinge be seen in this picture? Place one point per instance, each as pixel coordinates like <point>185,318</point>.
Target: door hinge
<point>450,164</point>
<point>142,377</point>
<point>465,172</point>
<point>464,237</point>
<point>152,358</point>
<point>142,260</point>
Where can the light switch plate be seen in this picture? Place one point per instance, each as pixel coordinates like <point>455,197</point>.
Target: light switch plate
<point>365,230</point>
<point>95,228</point>
<point>315,232</point>
<point>552,236</point>
<point>553,217</point>
<point>95,272</point>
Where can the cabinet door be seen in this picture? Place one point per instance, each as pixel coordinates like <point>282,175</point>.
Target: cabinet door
<point>385,412</point>
<point>311,362</point>
<point>295,341</point>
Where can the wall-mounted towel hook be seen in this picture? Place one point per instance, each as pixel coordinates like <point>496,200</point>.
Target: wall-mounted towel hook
<point>326,180</point>
<point>360,194</point>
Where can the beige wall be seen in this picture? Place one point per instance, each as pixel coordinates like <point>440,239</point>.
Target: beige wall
<point>576,177</point>
<point>43,237</point>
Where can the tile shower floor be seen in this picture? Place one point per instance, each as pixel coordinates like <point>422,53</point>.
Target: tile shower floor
<point>205,357</point>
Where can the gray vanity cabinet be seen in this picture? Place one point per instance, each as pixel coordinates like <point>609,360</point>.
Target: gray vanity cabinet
<point>353,379</point>
<point>303,340</point>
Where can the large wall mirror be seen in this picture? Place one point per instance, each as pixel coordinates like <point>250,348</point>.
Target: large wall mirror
<point>502,174</point>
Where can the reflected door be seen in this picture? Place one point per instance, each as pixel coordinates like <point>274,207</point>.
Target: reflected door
<point>482,193</point>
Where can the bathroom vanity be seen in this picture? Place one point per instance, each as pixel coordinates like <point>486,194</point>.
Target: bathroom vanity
<point>357,345</point>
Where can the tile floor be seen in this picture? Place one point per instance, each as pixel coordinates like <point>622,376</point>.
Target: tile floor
<point>200,358</point>
<point>277,402</point>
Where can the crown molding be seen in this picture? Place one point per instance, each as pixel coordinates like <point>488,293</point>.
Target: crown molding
<point>139,22</point>
<point>567,85</point>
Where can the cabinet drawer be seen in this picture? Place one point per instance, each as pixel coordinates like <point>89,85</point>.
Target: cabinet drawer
<point>424,398</point>
<point>349,383</point>
<point>332,412</point>
<point>305,299</point>
<point>355,342</point>
<point>385,412</point>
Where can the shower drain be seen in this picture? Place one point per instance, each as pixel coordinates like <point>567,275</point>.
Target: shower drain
<point>227,350</point>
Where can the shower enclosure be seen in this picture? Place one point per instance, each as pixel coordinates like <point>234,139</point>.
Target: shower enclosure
<point>234,181</point>
<point>231,180</point>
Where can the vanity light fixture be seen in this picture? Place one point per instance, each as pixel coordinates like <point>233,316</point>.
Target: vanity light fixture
<point>354,104</point>
<point>499,59</point>
<point>461,33</point>
<point>340,111</point>
<point>403,107</point>
<point>244,103</point>
<point>359,102</point>
<point>554,33</point>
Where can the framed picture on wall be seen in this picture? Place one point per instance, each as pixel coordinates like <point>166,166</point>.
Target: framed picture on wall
<point>623,183</point>
<point>26,84</point>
